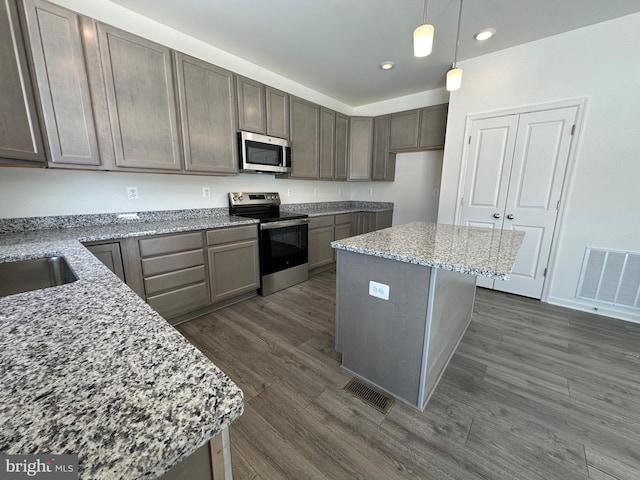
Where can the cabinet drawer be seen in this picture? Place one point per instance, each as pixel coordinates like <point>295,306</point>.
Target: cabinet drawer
<point>180,301</point>
<point>234,234</point>
<point>344,218</point>
<point>170,263</point>
<point>172,280</point>
<point>173,243</point>
<point>317,222</point>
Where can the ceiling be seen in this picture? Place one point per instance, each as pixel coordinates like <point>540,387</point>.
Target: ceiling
<point>335,46</point>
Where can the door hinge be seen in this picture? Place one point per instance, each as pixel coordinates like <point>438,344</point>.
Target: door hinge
<point>558,205</point>
<point>545,273</point>
<point>469,140</point>
<point>462,201</point>
<point>573,130</point>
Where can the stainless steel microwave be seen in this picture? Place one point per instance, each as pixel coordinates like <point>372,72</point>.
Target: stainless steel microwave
<point>262,154</point>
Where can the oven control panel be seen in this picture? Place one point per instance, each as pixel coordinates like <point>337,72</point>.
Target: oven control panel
<point>254,198</point>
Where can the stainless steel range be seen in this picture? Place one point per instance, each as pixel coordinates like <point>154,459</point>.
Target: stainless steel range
<point>284,253</point>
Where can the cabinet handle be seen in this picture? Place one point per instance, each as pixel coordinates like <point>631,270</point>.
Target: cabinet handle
<point>510,216</point>
<point>496,215</point>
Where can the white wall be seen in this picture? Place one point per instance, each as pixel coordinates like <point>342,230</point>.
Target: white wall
<point>602,63</point>
<point>417,175</point>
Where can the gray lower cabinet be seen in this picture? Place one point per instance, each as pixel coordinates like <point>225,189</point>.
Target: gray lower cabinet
<point>57,50</point>
<point>384,161</point>
<point>366,222</point>
<point>234,264</point>
<point>360,148</point>
<point>305,138</point>
<point>20,135</point>
<point>141,101</point>
<point>111,255</point>
<point>342,147</point>
<point>174,273</point>
<point>419,129</point>
<point>206,95</point>
<point>320,238</point>
<point>327,143</point>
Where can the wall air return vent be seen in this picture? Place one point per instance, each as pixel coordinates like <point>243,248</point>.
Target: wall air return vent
<point>611,277</point>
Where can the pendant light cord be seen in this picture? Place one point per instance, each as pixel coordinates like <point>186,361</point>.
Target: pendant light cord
<point>455,54</point>
<point>424,15</point>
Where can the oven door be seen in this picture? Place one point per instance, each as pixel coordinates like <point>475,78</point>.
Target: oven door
<point>283,245</point>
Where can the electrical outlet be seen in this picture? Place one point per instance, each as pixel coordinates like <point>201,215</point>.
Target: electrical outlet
<point>339,191</point>
<point>132,193</point>
<point>206,192</point>
<point>315,191</point>
<point>290,192</point>
<point>436,192</point>
<point>379,290</point>
<point>371,192</point>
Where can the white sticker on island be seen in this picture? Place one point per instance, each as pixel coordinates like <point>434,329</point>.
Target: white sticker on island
<point>379,290</point>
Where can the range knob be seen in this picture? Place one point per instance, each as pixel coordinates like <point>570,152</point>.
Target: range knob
<point>241,197</point>
<point>235,198</point>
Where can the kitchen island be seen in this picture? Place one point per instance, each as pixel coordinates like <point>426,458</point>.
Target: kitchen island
<point>404,298</point>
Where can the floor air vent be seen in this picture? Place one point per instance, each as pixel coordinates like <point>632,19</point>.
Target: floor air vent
<point>610,276</point>
<point>369,395</point>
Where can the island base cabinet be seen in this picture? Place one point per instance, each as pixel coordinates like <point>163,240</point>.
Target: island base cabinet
<point>402,344</point>
<point>212,461</point>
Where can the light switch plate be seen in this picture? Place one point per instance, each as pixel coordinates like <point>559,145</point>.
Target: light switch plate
<point>379,290</point>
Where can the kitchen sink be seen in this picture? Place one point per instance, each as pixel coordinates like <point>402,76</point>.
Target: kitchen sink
<point>28,275</point>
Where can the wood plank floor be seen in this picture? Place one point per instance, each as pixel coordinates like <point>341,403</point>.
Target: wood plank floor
<point>533,392</point>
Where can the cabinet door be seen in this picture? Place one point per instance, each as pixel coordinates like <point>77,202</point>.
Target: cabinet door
<point>384,162</point>
<point>342,146</point>
<point>360,148</point>
<point>433,123</point>
<point>277,113</point>
<point>305,138</point>
<point>320,251</point>
<point>405,128</point>
<point>110,255</point>
<point>61,74</point>
<point>20,136</point>
<point>140,95</point>
<point>251,106</point>
<point>327,142</point>
<point>233,269</point>
<point>383,219</point>
<point>207,116</point>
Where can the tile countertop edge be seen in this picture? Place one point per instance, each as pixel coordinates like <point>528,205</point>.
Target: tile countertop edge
<point>417,242</point>
<point>87,312</point>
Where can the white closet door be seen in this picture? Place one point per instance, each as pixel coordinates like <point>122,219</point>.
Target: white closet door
<point>487,174</point>
<point>539,165</point>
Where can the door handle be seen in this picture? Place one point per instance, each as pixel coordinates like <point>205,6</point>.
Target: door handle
<point>496,215</point>
<point>510,216</point>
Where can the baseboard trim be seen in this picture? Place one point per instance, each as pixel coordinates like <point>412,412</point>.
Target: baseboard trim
<point>597,309</point>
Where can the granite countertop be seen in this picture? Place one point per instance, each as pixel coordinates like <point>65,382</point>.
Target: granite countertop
<point>89,368</point>
<point>335,208</point>
<point>472,250</point>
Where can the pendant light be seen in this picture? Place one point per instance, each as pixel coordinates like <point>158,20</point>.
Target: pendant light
<point>423,36</point>
<point>454,76</point>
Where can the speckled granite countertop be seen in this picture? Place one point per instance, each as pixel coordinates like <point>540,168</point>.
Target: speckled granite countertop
<point>90,368</point>
<point>476,251</point>
<point>335,208</point>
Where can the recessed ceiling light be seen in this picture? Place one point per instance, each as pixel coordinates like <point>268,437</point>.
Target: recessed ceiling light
<point>485,34</point>
<point>387,65</point>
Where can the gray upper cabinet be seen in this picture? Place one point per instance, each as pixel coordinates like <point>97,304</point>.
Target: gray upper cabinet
<point>360,148</point>
<point>342,146</point>
<point>327,143</point>
<point>405,129</point>
<point>433,125</point>
<point>141,101</point>
<point>20,136</point>
<point>61,74</point>
<point>305,138</point>
<point>384,162</point>
<point>207,116</point>
<point>251,105</point>
<point>277,113</point>
<point>420,129</point>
